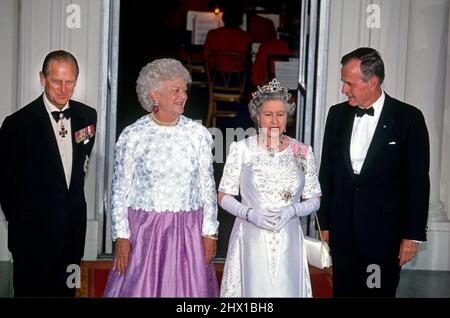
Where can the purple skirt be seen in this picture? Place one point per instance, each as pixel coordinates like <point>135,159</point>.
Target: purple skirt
<point>167,258</point>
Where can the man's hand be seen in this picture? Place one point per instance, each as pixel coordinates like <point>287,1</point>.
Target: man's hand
<point>123,250</point>
<point>210,246</point>
<point>408,250</point>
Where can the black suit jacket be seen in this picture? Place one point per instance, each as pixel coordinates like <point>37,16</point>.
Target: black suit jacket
<point>388,201</point>
<point>42,212</point>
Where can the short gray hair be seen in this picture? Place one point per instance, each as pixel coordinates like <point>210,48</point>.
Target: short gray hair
<point>271,91</point>
<point>153,74</point>
<point>371,63</point>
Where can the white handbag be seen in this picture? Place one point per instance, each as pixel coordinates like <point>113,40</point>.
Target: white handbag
<point>317,251</point>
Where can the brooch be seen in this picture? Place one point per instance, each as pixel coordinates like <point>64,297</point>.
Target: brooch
<point>287,195</point>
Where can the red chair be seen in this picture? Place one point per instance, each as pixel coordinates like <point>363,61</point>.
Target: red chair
<point>227,76</point>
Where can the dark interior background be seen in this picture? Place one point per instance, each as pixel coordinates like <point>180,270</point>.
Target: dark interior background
<point>156,29</point>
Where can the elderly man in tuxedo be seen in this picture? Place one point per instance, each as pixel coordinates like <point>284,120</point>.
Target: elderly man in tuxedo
<point>374,175</point>
<point>45,149</point>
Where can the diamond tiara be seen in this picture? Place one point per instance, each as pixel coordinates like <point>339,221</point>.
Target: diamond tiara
<point>273,87</point>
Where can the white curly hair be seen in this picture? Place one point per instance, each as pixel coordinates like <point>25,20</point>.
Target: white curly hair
<point>153,74</point>
<point>272,91</point>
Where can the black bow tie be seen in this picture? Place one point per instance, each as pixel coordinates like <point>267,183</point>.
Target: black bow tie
<point>363,111</point>
<point>58,115</point>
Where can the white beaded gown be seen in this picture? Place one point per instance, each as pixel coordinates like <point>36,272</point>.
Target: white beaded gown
<point>261,263</point>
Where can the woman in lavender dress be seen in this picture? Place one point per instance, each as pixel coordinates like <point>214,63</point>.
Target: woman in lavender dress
<point>163,203</point>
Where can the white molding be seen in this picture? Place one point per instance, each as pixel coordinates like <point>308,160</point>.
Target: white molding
<point>321,76</point>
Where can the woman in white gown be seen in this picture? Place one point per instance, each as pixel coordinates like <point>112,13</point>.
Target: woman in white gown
<point>273,173</point>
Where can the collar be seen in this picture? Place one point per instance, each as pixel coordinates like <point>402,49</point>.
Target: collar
<point>52,108</point>
<point>378,105</point>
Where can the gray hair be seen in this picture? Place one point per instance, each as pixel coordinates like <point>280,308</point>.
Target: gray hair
<point>371,63</point>
<point>153,74</point>
<point>271,91</point>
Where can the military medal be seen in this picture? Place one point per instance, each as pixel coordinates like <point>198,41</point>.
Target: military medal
<point>63,130</point>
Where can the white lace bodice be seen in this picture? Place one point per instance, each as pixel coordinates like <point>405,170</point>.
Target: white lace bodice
<point>162,169</point>
<point>262,263</point>
<point>268,181</point>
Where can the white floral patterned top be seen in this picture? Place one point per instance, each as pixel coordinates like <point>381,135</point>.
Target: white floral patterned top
<point>158,169</point>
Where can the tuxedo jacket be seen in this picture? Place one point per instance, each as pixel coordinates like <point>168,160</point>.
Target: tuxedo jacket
<point>43,213</point>
<point>372,212</point>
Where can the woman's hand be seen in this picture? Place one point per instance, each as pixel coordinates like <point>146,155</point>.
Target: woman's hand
<point>123,250</point>
<point>210,247</point>
<point>326,236</point>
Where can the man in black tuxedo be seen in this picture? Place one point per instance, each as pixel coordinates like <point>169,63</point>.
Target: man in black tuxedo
<point>375,182</point>
<point>45,149</point>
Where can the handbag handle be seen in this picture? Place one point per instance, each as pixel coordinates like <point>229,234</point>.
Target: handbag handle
<point>303,154</point>
<point>318,226</point>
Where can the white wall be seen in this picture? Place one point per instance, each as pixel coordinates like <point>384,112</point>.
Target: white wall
<point>445,158</point>
<point>44,28</point>
<point>413,38</point>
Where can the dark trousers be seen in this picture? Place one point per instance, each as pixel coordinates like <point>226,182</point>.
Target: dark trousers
<point>35,275</point>
<point>356,276</point>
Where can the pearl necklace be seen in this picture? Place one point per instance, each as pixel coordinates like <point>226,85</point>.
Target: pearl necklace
<point>163,123</point>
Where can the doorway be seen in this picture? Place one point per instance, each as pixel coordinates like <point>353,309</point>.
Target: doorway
<point>141,31</point>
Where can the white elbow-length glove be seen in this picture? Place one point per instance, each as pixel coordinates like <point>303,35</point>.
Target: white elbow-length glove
<point>261,218</point>
<point>296,210</point>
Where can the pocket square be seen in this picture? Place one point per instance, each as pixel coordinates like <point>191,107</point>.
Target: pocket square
<point>84,134</point>
<point>392,143</point>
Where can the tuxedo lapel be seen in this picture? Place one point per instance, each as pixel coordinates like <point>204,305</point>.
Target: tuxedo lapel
<point>384,127</point>
<point>77,123</point>
<point>347,127</point>
<point>48,138</point>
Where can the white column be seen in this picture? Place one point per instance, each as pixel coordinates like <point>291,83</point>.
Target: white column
<point>445,179</point>
<point>425,81</point>
<point>425,88</point>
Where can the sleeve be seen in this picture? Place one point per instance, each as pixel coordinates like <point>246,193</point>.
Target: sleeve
<point>208,193</point>
<point>325,173</point>
<point>232,171</point>
<point>417,179</point>
<point>123,172</point>
<point>259,68</point>
<point>9,142</point>
<point>312,185</point>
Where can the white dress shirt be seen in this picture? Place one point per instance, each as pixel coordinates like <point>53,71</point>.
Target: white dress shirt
<point>64,143</point>
<point>362,134</point>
